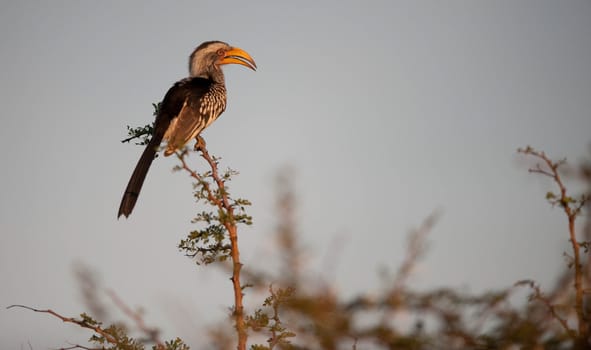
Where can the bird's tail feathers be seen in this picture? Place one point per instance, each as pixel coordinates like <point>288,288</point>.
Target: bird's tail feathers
<point>136,181</point>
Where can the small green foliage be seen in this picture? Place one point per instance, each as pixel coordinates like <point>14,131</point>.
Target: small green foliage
<point>258,321</point>
<point>206,217</point>
<point>207,245</point>
<point>115,337</point>
<point>176,344</point>
<point>227,175</point>
<point>240,211</point>
<point>267,319</point>
<point>86,319</point>
<point>566,201</point>
<point>550,195</point>
<point>119,334</point>
<point>143,133</point>
<point>210,243</point>
<point>259,347</point>
<point>279,297</point>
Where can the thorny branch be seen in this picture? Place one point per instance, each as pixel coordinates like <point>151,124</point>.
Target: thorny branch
<point>570,207</point>
<point>229,222</point>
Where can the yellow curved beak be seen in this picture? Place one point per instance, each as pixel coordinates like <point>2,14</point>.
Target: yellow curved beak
<point>239,56</point>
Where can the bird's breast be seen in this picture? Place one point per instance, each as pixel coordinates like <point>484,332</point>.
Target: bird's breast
<point>212,104</point>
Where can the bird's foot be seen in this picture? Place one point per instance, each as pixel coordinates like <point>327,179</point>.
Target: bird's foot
<point>200,144</point>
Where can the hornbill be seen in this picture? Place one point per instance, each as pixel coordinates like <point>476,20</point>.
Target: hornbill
<point>189,106</point>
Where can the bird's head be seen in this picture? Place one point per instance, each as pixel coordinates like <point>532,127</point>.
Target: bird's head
<point>207,59</point>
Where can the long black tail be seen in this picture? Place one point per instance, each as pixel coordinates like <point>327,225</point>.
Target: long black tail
<point>137,178</point>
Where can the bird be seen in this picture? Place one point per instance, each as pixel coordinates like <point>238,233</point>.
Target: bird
<point>189,106</point>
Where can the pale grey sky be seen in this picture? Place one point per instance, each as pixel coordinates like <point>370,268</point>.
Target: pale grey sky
<point>387,110</point>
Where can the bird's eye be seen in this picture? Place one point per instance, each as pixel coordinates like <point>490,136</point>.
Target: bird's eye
<point>221,52</point>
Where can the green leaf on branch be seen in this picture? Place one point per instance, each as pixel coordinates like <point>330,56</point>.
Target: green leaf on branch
<point>564,202</point>
<point>176,344</point>
<point>144,133</point>
<point>207,245</point>
<point>550,195</point>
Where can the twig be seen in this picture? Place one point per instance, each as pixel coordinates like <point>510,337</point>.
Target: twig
<point>82,323</point>
<point>78,346</point>
<point>548,303</point>
<point>564,200</point>
<point>416,247</point>
<point>196,176</point>
<point>131,138</point>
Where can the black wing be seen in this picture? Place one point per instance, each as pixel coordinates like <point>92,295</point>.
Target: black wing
<point>183,102</point>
